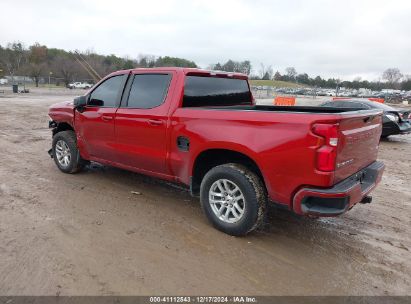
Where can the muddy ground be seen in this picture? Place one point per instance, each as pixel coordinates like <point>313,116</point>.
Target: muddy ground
<point>87,234</point>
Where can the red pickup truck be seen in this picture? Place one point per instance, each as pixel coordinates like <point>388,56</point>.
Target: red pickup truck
<point>203,129</point>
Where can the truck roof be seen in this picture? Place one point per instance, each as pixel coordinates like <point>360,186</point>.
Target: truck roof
<point>189,71</point>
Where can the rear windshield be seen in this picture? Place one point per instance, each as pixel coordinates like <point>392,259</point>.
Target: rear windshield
<point>213,91</point>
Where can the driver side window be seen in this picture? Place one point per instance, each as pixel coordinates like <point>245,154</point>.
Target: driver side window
<point>107,94</point>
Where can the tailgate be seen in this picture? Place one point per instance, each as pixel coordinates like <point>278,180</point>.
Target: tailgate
<point>358,143</point>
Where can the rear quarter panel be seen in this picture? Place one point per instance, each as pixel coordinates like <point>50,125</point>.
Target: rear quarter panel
<point>281,144</point>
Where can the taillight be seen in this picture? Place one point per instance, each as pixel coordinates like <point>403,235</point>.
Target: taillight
<point>327,153</point>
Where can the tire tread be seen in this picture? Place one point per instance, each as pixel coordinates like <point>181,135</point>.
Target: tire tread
<point>258,187</point>
<point>71,140</point>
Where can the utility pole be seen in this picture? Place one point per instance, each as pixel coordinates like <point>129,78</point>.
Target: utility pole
<point>86,66</point>
<point>50,73</point>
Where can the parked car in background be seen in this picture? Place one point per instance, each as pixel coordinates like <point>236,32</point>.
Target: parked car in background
<point>3,81</point>
<point>80,85</point>
<point>395,121</point>
<point>407,96</point>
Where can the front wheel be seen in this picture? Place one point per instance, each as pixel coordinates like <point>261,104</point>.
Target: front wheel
<point>65,152</point>
<point>233,199</point>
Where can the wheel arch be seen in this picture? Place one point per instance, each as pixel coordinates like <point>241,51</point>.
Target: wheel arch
<point>212,157</point>
<point>62,126</point>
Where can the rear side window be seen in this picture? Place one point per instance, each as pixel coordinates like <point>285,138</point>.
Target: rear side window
<point>350,104</point>
<point>359,105</point>
<point>212,91</point>
<point>377,105</point>
<point>345,104</point>
<point>329,104</point>
<point>148,90</point>
<point>107,94</point>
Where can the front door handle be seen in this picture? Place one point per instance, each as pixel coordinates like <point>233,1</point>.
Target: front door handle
<point>155,122</point>
<point>107,118</point>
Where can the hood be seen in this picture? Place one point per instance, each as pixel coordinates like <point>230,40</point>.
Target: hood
<point>62,112</point>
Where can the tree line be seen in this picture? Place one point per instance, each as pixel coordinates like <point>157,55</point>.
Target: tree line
<point>392,79</point>
<point>38,61</point>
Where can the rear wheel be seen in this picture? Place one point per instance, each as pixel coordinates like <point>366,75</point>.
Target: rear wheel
<point>233,199</point>
<point>66,154</point>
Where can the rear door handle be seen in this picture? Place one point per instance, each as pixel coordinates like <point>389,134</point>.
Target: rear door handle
<point>155,122</point>
<point>107,118</point>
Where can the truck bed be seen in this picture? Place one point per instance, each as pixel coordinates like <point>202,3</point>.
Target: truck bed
<point>294,109</point>
<point>282,140</point>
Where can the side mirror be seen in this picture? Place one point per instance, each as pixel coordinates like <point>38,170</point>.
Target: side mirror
<point>80,102</point>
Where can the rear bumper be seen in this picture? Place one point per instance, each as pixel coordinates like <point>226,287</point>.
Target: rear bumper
<point>340,198</point>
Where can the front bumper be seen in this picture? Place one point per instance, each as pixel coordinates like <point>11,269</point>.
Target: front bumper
<point>340,198</point>
<point>405,127</point>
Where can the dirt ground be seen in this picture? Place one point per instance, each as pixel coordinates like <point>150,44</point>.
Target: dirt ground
<point>87,234</point>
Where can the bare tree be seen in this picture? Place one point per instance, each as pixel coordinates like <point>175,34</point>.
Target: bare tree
<point>266,72</point>
<point>262,70</point>
<point>12,58</point>
<point>37,61</point>
<point>146,61</point>
<point>35,71</point>
<point>392,76</point>
<point>232,66</point>
<point>291,73</point>
<point>245,67</point>
<point>277,76</point>
<point>355,84</point>
<point>63,66</point>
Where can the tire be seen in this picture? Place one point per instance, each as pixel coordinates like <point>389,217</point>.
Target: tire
<point>65,143</point>
<point>227,176</point>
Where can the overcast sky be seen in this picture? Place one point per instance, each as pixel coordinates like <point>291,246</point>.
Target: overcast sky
<point>342,39</point>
